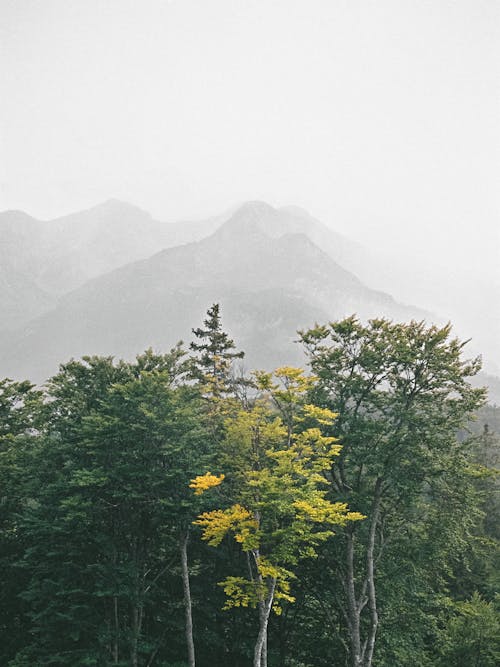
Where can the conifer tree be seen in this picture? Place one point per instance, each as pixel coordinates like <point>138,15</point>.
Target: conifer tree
<point>215,353</point>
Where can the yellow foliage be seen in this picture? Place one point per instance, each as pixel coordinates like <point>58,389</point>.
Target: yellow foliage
<point>236,519</point>
<point>240,592</point>
<point>323,416</point>
<point>276,455</point>
<point>292,382</point>
<point>320,510</point>
<point>268,570</point>
<point>204,482</point>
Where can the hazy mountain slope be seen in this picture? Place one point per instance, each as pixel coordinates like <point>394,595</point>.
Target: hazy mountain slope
<point>62,254</point>
<point>268,287</point>
<point>450,292</point>
<point>59,255</point>
<point>87,244</point>
<point>293,219</point>
<point>39,261</point>
<point>20,298</point>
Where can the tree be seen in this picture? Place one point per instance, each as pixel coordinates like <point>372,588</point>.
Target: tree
<point>401,394</point>
<point>96,508</point>
<point>20,418</point>
<point>215,355</point>
<point>212,368</point>
<point>274,460</point>
<point>472,634</point>
<point>122,442</point>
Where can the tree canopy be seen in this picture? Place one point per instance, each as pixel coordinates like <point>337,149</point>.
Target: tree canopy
<point>159,512</point>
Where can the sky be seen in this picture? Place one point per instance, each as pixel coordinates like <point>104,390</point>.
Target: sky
<point>380,118</point>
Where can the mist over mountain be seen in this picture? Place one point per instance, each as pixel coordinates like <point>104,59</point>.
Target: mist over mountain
<point>267,273</point>
<point>40,260</point>
<point>112,280</point>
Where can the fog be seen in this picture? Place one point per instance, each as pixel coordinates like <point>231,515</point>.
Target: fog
<point>380,118</point>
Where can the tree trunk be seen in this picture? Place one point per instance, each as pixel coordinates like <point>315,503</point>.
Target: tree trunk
<point>187,599</point>
<point>263,652</point>
<point>137,612</point>
<point>361,650</point>
<point>260,652</point>
<point>116,630</point>
<point>116,618</point>
<point>370,567</point>
<point>135,637</point>
<point>353,609</point>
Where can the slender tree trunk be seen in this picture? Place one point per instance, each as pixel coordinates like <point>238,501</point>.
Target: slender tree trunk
<point>362,650</point>
<point>116,618</point>
<point>263,653</point>
<point>187,599</point>
<point>135,637</point>
<point>370,567</point>
<point>137,613</point>
<point>353,609</point>
<point>261,607</point>
<point>116,630</point>
<point>260,652</point>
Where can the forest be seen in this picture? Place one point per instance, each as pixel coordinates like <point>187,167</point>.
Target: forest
<point>177,510</point>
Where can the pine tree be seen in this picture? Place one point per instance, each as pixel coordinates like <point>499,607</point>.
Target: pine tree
<point>215,355</point>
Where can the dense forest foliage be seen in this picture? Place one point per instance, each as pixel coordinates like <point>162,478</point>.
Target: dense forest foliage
<point>174,511</point>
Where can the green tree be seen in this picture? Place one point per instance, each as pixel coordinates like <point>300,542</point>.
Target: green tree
<point>111,499</point>
<point>472,634</point>
<point>401,394</point>
<point>212,368</point>
<point>214,356</point>
<point>20,419</point>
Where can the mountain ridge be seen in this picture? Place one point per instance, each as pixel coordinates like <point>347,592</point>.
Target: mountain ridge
<point>43,264</point>
<point>155,301</point>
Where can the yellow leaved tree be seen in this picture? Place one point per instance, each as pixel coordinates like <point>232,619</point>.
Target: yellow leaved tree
<point>274,458</point>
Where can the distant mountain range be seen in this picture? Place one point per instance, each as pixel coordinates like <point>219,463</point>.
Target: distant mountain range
<point>111,280</point>
<point>41,260</point>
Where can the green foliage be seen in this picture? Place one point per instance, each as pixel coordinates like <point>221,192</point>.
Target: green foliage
<point>215,353</point>
<point>95,474</point>
<point>472,633</point>
<point>121,444</point>
<point>20,416</point>
<point>401,392</point>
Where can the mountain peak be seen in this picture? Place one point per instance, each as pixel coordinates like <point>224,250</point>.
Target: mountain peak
<point>253,210</point>
<point>249,221</point>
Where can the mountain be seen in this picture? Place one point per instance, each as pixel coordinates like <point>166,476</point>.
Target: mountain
<point>269,277</point>
<point>40,260</point>
<point>20,298</point>
<point>89,243</point>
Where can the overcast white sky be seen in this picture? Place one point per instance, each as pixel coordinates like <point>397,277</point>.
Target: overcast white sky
<point>381,118</point>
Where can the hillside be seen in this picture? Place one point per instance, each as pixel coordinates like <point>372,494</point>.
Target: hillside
<point>269,284</point>
<point>40,260</point>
